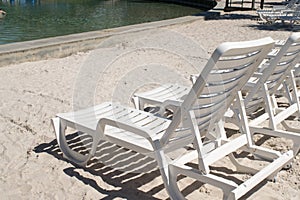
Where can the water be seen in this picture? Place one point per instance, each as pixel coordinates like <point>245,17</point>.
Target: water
<point>35,19</point>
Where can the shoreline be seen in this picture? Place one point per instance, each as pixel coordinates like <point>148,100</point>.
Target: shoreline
<point>62,46</point>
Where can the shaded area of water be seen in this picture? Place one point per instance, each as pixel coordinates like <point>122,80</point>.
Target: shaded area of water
<point>35,19</point>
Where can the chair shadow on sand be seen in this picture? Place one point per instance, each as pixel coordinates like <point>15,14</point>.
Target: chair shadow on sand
<point>124,169</point>
<point>228,16</point>
<point>277,26</point>
<point>117,168</point>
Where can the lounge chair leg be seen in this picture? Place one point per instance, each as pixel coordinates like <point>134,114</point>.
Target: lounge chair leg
<point>73,156</point>
<point>175,193</point>
<point>163,165</point>
<point>296,148</point>
<point>137,103</point>
<point>291,91</point>
<point>269,102</point>
<point>287,92</point>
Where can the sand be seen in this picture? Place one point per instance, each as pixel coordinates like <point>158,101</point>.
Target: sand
<point>32,166</point>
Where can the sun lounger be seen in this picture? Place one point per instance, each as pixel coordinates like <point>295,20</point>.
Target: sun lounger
<point>291,17</point>
<point>260,92</point>
<point>206,156</point>
<point>289,6</point>
<point>275,73</point>
<point>231,65</point>
<point>288,12</point>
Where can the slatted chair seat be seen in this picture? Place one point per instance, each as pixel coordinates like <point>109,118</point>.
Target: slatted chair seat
<point>87,120</point>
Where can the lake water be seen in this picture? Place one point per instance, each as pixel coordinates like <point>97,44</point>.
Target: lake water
<point>35,19</point>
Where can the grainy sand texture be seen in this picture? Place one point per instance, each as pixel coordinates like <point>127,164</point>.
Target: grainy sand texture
<point>31,93</point>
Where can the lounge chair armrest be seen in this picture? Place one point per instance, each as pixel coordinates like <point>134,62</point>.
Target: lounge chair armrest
<point>125,126</point>
<point>169,104</point>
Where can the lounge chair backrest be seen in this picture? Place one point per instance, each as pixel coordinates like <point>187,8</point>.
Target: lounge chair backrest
<point>288,58</point>
<point>229,68</point>
<point>278,68</point>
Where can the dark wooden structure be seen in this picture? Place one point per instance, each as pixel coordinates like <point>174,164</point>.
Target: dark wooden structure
<point>233,5</point>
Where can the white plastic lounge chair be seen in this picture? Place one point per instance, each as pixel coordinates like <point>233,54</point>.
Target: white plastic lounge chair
<point>231,65</point>
<point>274,75</point>
<point>290,5</point>
<point>292,17</point>
<point>260,93</point>
<point>202,117</point>
<point>275,9</point>
<point>279,12</point>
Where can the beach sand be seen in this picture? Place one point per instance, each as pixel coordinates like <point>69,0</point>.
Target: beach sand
<point>32,166</point>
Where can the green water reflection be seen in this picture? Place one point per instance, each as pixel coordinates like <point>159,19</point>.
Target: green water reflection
<point>34,19</point>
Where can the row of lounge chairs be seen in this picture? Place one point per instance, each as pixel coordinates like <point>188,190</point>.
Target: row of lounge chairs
<point>289,12</point>
<point>239,78</point>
